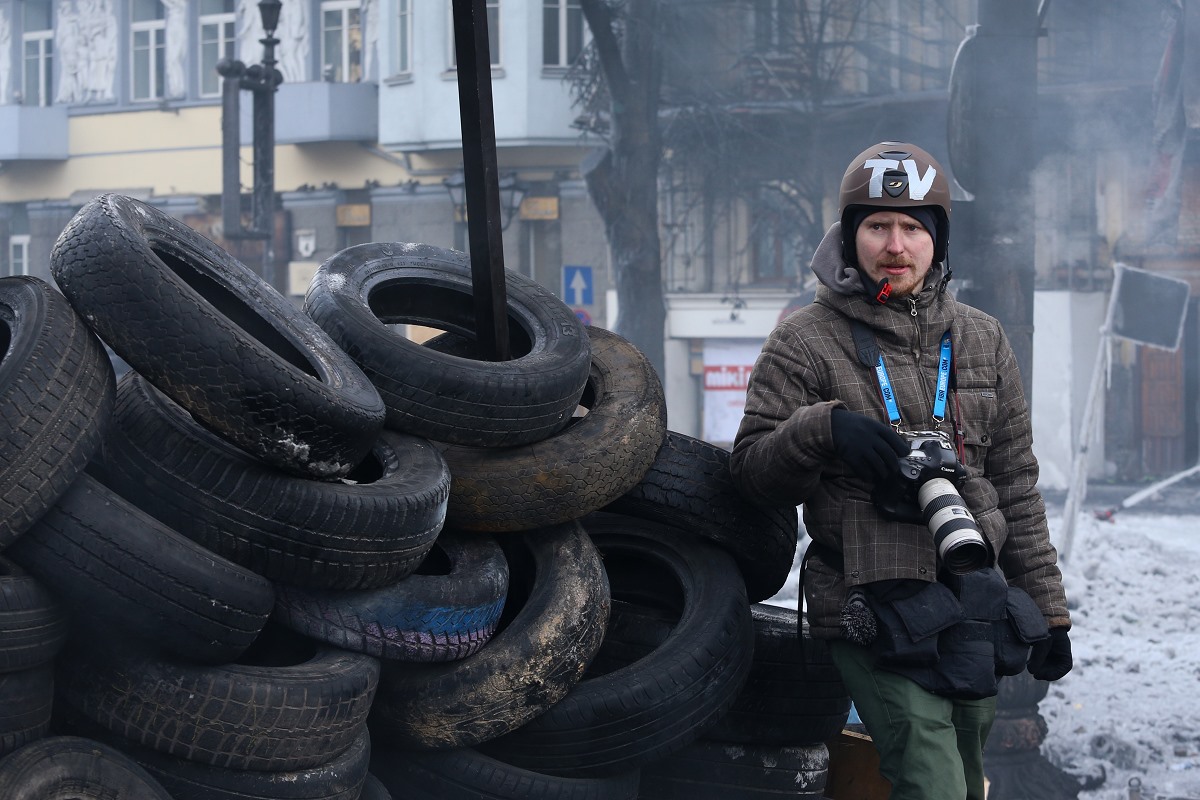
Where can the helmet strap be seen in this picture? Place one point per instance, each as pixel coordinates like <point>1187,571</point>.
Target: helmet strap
<point>945,279</point>
<point>876,292</point>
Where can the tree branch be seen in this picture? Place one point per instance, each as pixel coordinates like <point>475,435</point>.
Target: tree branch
<point>599,16</point>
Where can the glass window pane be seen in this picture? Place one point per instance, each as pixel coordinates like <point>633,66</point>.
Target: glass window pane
<point>354,45</point>
<point>332,48</point>
<point>160,62</point>
<point>147,10</point>
<point>37,15</point>
<point>31,88</point>
<point>403,37</point>
<point>550,33</point>
<point>574,32</point>
<point>217,7</point>
<point>493,21</point>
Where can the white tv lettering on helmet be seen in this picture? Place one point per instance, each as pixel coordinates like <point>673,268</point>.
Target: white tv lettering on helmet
<point>918,185</point>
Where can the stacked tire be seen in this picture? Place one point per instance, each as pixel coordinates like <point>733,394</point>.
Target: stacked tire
<point>297,556</point>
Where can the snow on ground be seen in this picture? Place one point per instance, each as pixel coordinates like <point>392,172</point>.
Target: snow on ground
<point>1130,709</point>
<point>1132,702</point>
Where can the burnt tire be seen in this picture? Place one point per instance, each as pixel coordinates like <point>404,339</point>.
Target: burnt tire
<point>33,624</point>
<point>358,293</point>
<point>689,487</point>
<point>446,610</point>
<point>56,398</point>
<point>553,623</point>
<point>370,529</point>
<point>466,774</point>
<point>590,463</point>
<point>72,767</point>
<point>112,564</point>
<point>707,770</point>
<point>285,705</point>
<point>216,338</point>
<point>26,703</point>
<point>634,715</point>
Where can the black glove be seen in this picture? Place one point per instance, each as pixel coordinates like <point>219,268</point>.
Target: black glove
<point>1050,658</point>
<point>869,447</point>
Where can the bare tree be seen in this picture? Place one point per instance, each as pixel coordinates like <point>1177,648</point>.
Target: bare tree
<point>622,178</point>
<point>738,98</point>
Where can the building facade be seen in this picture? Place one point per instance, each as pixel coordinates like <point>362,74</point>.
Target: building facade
<point>765,101</point>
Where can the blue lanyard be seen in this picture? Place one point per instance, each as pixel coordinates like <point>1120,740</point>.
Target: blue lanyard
<point>943,385</point>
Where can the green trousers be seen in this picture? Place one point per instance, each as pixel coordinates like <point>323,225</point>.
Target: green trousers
<point>930,747</point>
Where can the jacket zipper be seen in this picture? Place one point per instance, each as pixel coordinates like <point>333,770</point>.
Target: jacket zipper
<point>912,305</point>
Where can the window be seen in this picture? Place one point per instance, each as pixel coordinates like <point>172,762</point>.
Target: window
<point>341,41</point>
<point>217,36</point>
<point>774,247</point>
<point>37,49</point>
<point>493,23</point>
<point>149,34</point>
<point>402,44</point>
<point>774,25</point>
<point>18,254</point>
<point>562,32</point>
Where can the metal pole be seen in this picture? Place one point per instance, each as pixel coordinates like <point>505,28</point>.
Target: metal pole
<point>264,81</point>
<point>231,73</point>
<point>1077,488</point>
<point>482,177</point>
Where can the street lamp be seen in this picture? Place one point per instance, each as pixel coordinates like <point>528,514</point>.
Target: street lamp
<point>512,192</point>
<point>262,80</point>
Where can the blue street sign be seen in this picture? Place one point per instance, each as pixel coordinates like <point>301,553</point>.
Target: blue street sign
<point>578,286</point>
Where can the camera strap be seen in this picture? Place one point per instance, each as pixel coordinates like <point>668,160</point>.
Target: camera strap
<point>871,357</point>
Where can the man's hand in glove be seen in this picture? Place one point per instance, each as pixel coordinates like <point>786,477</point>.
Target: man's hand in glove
<point>1050,658</point>
<point>869,447</point>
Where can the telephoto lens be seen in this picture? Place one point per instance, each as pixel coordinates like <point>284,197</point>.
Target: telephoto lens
<point>960,544</point>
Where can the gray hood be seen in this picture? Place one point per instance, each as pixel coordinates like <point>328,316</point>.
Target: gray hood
<point>833,271</point>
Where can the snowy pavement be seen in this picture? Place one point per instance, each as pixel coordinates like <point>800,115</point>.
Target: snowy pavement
<point>1130,709</point>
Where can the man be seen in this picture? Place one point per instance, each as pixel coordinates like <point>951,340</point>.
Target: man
<point>883,350</point>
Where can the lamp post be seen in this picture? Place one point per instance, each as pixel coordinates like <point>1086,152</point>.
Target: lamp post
<point>262,80</point>
<point>512,192</point>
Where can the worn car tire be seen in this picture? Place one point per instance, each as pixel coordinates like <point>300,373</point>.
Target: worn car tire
<point>112,564</point>
<point>467,774</point>
<point>285,705</point>
<point>370,529</point>
<point>216,338</point>
<point>553,623</point>
<point>619,721</point>
<point>593,461</point>
<point>342,778</point>
<point>56,398</point>
<point>26,702</point>
<point>446,610</point>
<point>33,624</point>
<point>689,487</point>
<point>794,695</point>
<point>60,767</point>
<point>362,290</point>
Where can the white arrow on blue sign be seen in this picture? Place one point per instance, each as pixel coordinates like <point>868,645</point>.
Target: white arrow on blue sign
<point>578,286</point>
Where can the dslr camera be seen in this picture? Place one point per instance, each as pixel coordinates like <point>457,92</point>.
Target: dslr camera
<point>927,492</point>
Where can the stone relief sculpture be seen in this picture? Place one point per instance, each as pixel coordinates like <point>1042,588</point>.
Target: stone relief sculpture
<point>85,38</point>
<point>176,46</point>
<point>293,49</point>
<point>5,57</point>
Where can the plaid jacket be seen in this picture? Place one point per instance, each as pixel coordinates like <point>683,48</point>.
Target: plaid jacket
<point>783,453</point>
